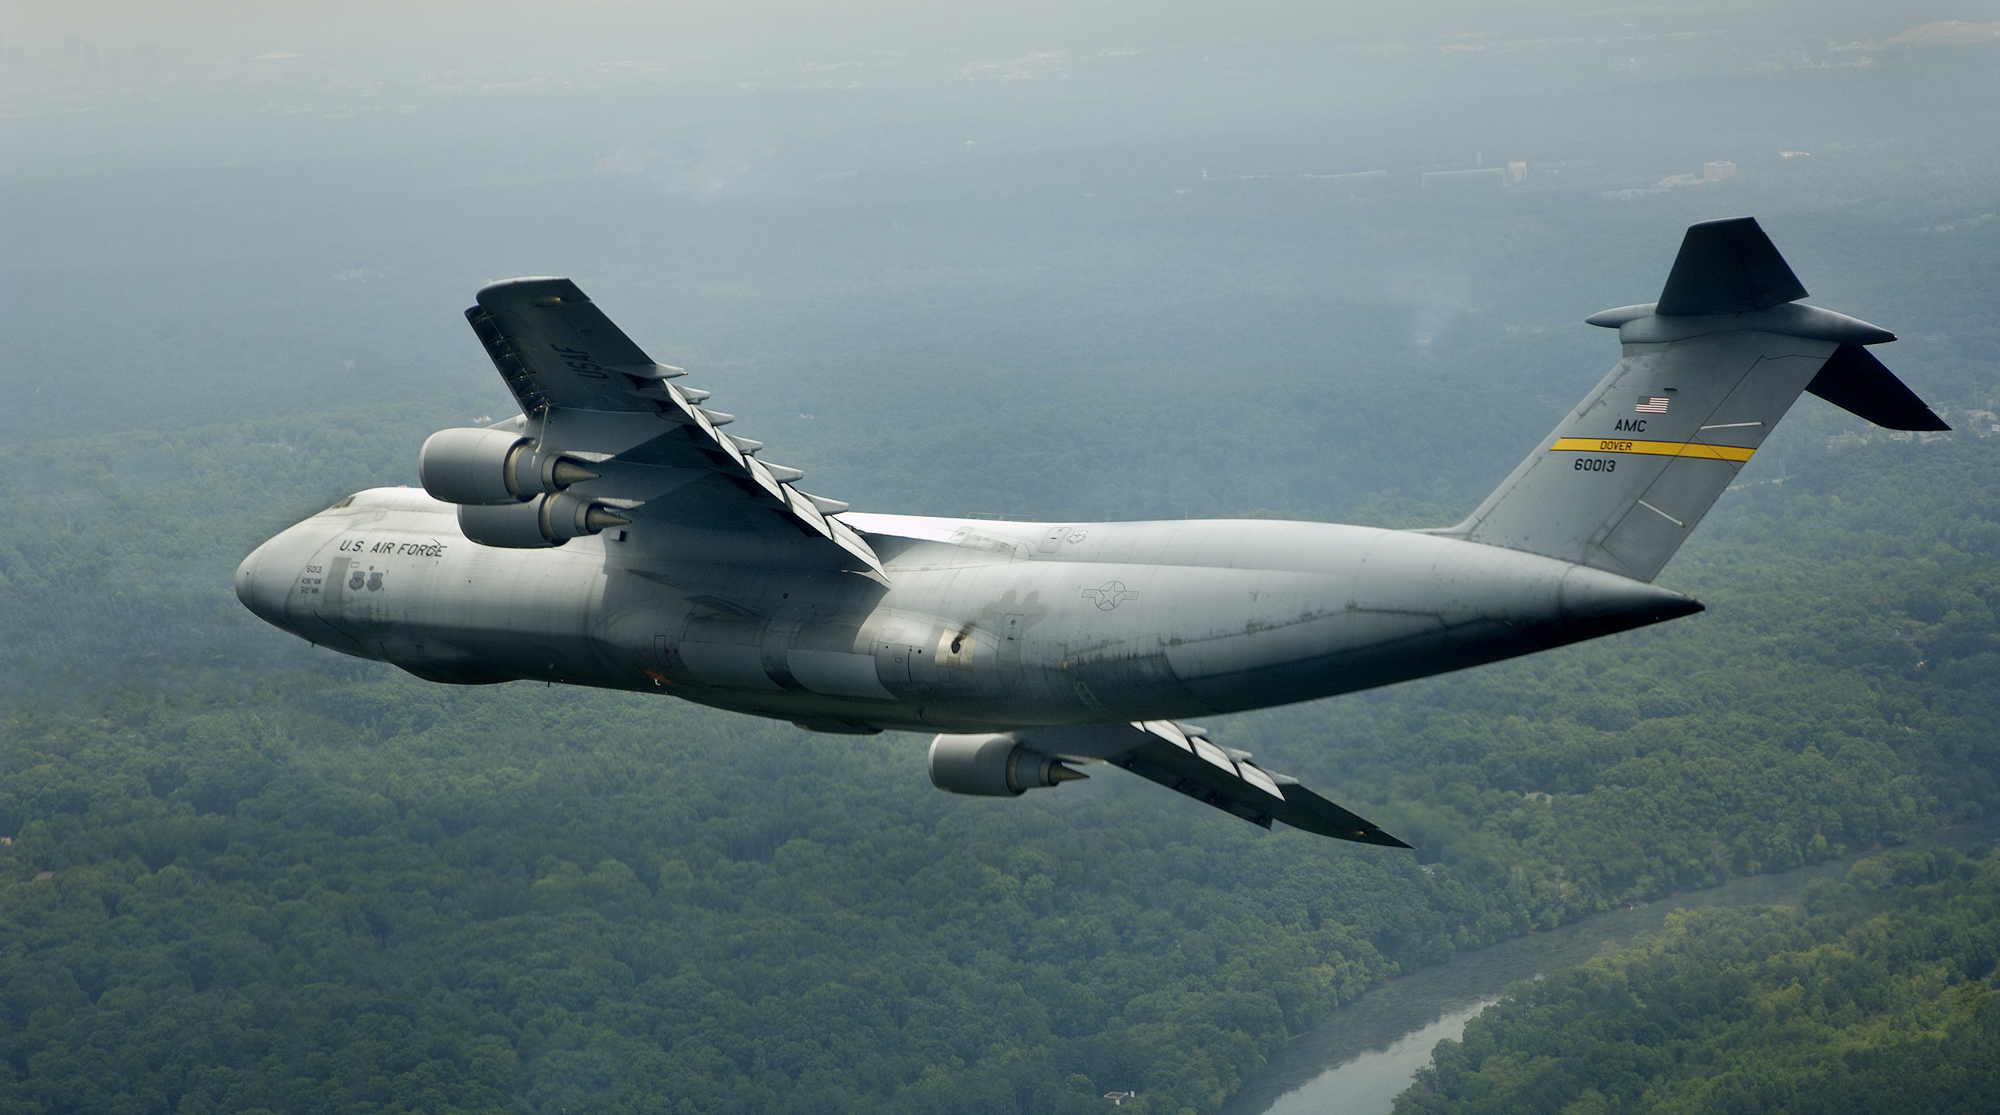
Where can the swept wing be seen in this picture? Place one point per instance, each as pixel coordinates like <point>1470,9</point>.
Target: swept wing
<point>588,390</point>
<point>1182,758</point>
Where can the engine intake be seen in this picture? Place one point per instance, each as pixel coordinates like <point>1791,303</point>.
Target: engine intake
<point>993,766</point>
<point>482,467</point>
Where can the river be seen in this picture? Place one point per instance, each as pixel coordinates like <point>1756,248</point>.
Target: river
<point>1367,1051</point>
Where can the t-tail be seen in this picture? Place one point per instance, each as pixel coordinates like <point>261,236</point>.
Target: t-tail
<point>1708,370</point>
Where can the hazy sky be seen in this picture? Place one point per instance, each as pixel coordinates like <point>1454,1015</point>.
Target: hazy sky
<point>780,26</point>
<point>818,185</point>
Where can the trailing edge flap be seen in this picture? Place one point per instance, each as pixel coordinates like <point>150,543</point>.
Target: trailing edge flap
<point>1182,759</point>
<point>1853,380</point>
<point>1727,267</point>
<point>575,371</point>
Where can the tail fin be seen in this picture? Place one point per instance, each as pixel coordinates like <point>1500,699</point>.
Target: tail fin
<point>1708,371</point>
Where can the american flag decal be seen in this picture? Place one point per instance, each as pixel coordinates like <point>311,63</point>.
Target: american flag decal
<point>1652,404</point>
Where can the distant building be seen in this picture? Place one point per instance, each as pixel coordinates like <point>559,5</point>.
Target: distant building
<point>1710,172</point>
<point>1517,172</point>
<point>1486,176</point>
<point>1355,176</point>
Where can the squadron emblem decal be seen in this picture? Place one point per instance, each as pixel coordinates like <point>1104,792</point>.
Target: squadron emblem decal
<point>1109,595</point>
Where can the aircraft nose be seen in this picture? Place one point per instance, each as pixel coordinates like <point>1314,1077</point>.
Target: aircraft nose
<point>263,595</point>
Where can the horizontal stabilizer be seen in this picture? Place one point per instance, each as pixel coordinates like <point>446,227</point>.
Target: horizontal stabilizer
<point>1727,267</point>
<point>1707,372</point>
<point>1856,382</point>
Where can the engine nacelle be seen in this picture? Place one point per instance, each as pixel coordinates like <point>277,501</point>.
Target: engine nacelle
<point>993,766</point>
<point>483,467</point>
<point>549,521</point>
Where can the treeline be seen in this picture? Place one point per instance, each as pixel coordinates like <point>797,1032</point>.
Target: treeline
<point>1875,996</point>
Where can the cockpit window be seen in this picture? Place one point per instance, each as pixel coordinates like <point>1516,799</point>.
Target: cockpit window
<point>343,502</point>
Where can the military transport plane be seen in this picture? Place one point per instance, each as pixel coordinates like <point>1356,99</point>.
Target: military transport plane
<point>613,535</point>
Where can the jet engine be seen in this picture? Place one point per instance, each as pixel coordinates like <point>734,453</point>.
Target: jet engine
<point>993,766</point>
<point>483,467</point>
<point>550,520</point>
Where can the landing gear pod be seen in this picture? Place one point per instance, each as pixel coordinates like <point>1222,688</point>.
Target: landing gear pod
<point>548,521</point>
<point>993,766</point>
<point>484,467</point>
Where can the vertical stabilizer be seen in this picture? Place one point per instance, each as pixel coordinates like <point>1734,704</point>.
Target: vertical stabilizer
<point>1707,372</point>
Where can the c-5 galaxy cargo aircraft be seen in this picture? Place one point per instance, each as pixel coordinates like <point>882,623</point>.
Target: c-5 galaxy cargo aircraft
<point>613,535</point>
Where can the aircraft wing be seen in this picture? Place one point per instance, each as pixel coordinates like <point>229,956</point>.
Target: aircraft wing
<point>585,388</point>
<point>1181,758</point>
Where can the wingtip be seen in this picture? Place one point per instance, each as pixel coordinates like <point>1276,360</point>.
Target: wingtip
<point>1373,836</point>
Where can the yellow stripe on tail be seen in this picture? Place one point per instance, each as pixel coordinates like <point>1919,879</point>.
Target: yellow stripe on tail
<point>1652,448</point>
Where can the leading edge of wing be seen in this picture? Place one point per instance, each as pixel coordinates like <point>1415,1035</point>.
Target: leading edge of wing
<point>569,365</point>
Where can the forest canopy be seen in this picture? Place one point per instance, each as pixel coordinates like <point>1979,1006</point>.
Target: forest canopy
<point>313,882</point>
<point>1875,995</point>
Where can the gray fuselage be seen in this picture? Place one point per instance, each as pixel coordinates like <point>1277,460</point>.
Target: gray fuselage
<point>982,626</point>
